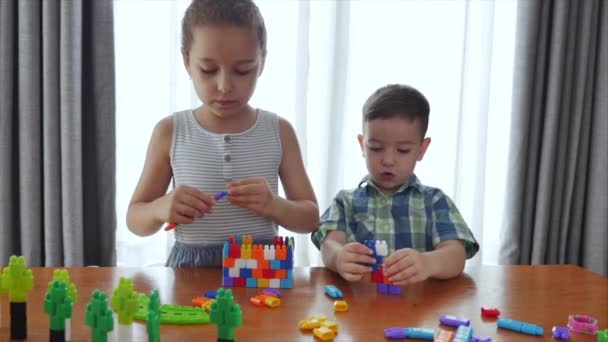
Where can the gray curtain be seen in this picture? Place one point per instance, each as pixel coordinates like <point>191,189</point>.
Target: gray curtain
<point>558,208</point>
<point>57,132</point>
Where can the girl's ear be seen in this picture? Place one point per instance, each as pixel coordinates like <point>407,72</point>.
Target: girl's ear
<point>186,62</point>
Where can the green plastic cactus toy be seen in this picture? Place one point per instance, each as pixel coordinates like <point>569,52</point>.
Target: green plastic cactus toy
<point>58,305</point>
<point>225,314</point>
<point>18,280</point>
<point>124,301</point>
<point>99,317</point>
<point>153,321</point>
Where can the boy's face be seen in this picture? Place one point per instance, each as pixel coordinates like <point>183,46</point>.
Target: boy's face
<point>224,63</point>
<point>391,148</point>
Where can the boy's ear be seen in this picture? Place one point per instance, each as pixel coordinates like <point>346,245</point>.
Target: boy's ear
<point>262,63</point>
<point>361,144</point>
<point>186,61</point>
<point>423,146</point>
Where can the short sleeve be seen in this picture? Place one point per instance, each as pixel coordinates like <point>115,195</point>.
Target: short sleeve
<point>334,218</point>
<point>448,224</point>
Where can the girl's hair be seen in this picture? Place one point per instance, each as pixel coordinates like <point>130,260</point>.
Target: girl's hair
<point>243,13</point>
<point>397,100</point>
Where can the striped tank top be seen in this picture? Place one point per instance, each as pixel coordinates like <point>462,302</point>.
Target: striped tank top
<point>208,161</point>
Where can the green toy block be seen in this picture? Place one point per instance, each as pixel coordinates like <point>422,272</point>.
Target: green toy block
<point>58,305</point>
<point>153,322</point>
<point>124,301</point>
<point>17,279</point>
<point>64,276</point>
<point>172,314</point>
<point>99,317</point>
<point>602,335</point>
<point>225,314</point>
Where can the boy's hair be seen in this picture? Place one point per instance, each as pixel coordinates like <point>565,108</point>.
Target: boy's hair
<point>243,13</point>
<point>397,100</point>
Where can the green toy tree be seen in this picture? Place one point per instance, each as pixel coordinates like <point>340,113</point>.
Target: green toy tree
<point>58,305</point>
<point>153,321</point>
<point>99,317</point>
<point>124,301</point>
<point>225,314</point>
<point>18,280</point>
<point>64,276</point>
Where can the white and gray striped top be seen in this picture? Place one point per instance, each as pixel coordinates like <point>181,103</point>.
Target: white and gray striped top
<point>207,161</point>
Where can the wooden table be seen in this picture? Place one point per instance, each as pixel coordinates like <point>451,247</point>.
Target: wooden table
<point>543,295</point>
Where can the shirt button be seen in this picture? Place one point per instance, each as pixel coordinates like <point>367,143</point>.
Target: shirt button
<point>227,139</point>
<point>227,157</point>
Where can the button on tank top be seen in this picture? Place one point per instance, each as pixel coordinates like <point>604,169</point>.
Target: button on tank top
<point>208,161</point>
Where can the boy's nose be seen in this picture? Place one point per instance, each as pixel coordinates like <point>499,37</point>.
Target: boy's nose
<point>388,159</point>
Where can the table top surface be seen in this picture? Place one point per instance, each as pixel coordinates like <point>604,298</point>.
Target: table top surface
<point>543,295</point>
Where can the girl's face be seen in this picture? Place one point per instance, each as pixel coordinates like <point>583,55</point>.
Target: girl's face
<point>224,63</point>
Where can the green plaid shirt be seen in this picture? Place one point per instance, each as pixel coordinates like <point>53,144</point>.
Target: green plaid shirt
<point>415,216</point>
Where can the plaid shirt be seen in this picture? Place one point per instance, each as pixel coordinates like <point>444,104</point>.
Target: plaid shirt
<point>415,216</point>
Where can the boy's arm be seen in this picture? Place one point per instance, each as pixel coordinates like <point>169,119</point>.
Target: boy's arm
<point>299,211</point>
<point>446,261</point>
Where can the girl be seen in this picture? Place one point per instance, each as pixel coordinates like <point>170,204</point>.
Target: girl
<point>224,144</point>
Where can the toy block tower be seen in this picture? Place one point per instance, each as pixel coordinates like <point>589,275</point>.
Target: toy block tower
<point>258,266</point>
<point>380,249</point>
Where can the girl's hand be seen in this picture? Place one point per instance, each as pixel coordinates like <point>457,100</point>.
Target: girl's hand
<point>184,204</point>
<point>406,266</point>
<point>253,194</point>
<point>352,259</point>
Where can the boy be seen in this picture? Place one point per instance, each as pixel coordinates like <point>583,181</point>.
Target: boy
<point>425,233</point>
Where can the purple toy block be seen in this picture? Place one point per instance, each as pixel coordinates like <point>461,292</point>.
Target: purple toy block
<point>273,292</point>
<point>453,321</point>
<point>480,339</point>
<point>394,289</point>
<point>382,288</point>
<point>560,333</point>
<point>227,282</point>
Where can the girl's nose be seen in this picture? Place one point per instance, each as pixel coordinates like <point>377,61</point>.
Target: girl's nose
<point>224,84</point>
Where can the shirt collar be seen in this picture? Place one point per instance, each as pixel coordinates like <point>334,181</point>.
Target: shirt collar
<point>413,182</point>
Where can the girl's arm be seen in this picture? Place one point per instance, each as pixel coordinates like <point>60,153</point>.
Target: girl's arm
<point>299,211</point>
<point>143,214</point>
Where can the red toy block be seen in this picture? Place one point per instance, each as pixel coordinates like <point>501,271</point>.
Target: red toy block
<point>239,282</point>
<point>269,274</point>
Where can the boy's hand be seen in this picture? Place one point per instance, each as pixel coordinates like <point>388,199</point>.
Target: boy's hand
<point>406,266</point>
<point>351,259</point>
<point>253,194</point>
<point>184,204</point>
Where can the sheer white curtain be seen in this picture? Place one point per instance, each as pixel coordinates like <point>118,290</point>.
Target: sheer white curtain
<point>324,59</point>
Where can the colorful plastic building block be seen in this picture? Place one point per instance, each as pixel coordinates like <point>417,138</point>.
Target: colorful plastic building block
<point>225,314</point>
<point>397,333</point>
<point>153,321</point>
<point>379,252</point>
<point>99,317</point>
<point>173,314</point>
<point>340,306</point>
<point>463,334</point>
<point>18,280</point>
<point>521,327</point>
<point>582,324</point>
<point>211,294</point>
<point>332,291</point>
<point>489,312</point>
<point>265,300</point>
<point>312,322</point>
<point>272,292</point>
<point>453,321</point>
<point>560,333</point>
<point>124,301</point>
<point>324,333</point>
<point>58,305</point>
<point>245,264</point>
<point>480,339</point>
<point>444,336</point>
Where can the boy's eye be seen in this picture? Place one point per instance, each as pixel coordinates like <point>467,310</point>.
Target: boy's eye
<point>404,151</point>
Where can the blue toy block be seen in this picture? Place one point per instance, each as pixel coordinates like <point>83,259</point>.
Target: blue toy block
<point>394,289</point>
<point>251,282</point>
<point>239,239</point>
<point>286,283</point>
<point>227,282</point>
<point>382,288</point>
<point>289,274</point>
<point>210,294</point>
<point>245,273</point>
<point>225,250</point>
<point>225,272</point>
<point>275,264</point>
<point>332,291</point>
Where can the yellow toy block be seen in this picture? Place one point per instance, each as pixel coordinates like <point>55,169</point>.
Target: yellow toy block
<point>262,283</point>
<point>330,325</point>
<point>340,306</point>
<point>271,301</point>
<point>245,251</point>
<point>324,333</point>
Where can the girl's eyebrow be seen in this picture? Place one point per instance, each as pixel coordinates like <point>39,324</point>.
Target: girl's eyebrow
<point>242,61</point>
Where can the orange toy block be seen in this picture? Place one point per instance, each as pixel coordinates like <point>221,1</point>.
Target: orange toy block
<point>228,263</point>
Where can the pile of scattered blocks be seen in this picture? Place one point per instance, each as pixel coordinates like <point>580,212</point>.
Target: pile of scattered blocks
<point>258,266</point>
<point>380,249</point>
